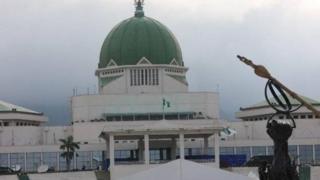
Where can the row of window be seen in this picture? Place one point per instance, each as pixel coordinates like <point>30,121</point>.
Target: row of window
<point>295,116</point>
<point>83,160</point>
<point>305,154</point>
<point>115,71</point>
<point>149,116</point>
<point>174,70</point>
<point>6,123</point>
<point>144,77</point>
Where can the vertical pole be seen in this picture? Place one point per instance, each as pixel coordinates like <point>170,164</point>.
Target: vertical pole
<point>111,150</point>
<point>140,147</point>
<point>58,161</point>
<point>217,149</point>
<point>9,160</point>
<point>298,154</point>
<point>25,161</point>
<point>313,154</point>
<point>173,148</point>
<point>41,157</point>
<point>74,160</point>
<point>146,149</point>
<point>205,146</point>
<point>91,160</point>
<point>181,143</point>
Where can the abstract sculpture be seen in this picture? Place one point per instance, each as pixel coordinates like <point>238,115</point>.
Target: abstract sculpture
<point>282,167</point>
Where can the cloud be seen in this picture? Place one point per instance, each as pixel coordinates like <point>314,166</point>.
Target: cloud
<point>49,47</point>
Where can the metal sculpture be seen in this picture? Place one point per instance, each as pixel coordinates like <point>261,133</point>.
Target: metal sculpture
<point>282,167</point>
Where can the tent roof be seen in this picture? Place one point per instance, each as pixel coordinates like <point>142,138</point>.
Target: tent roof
<point>185,170</point>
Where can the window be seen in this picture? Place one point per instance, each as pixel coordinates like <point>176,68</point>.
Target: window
<point>302,116</point>
<point>293,152</point>
<point>4,160</point>
<point>127,117</point>
<point>195,151</point>
<point>63,164</point>
<point>150,75</point>
<point>306,154</point>
<point>138,78</point>
<point>33,161</point>
<point>143,77</point>
<point>50,159</point>
<point>134,77</point>
<point>154,155</point>
<point>317,154</point>
<point>17,159</point>
<point>131,79</point>
<point>122,154</point>
<point>96,159</point>
<point>157,77</point>
<point>259,151</point>
<point>226,150</point>
<point>156,116</point>
<point>245,150</point>
<point>310,116</point>
<point>153,77</point>
<point>270,150</point>
<point>84,160</point>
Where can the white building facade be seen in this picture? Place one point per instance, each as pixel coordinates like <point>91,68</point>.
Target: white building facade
<point>144,114</point>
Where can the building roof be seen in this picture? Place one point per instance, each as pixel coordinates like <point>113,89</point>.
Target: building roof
<point>184,170</point>
<point>292,100</point>
<point>5,107</point>
<point>140,37</point>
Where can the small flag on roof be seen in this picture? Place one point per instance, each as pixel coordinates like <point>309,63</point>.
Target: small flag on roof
<point>165,103</point>
<point>227,132</point>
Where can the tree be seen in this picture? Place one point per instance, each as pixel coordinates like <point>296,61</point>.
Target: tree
<point>69,147</point>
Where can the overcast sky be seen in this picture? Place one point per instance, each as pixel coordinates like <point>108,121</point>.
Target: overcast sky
<point>49,47</point>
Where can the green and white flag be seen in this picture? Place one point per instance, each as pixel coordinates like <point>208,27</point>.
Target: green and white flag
<point>165,103</point>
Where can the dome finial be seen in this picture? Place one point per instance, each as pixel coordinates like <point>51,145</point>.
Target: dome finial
<point>139,9</point>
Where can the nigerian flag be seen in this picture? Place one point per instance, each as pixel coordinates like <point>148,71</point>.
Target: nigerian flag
<point>165,103</point>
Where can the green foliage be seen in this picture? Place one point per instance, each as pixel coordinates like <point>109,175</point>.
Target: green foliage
<point>69,147</point>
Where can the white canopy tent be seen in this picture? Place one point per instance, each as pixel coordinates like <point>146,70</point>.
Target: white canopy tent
<point>185,170</point>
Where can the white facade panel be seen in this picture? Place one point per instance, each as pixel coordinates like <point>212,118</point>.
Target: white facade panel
<point>86,108</point>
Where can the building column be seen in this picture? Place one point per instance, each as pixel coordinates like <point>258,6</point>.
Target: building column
<point>25,161</point>
<point>181,144</point>
<point>111,150</point>
<point>41,158</point>
<point>91,160</point>
<point>58,160</point>
<point>313,154</point>
<point>298,154</point>
<point>140,150</point>
<point>146,149</point>
<point>217,149</point>
<point>205,146</point>
<point>9,160</point>
<point>75,160</point>
<point>173,148</point>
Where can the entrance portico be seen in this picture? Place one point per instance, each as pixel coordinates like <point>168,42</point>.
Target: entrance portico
<point>167,139</point>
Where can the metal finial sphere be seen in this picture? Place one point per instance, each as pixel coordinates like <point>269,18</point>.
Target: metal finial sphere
<point>138,2</point>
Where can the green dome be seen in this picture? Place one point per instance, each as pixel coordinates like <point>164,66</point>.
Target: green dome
<point>139,37</point>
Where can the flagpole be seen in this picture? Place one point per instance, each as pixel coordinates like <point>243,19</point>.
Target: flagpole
<point>163,103</point>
